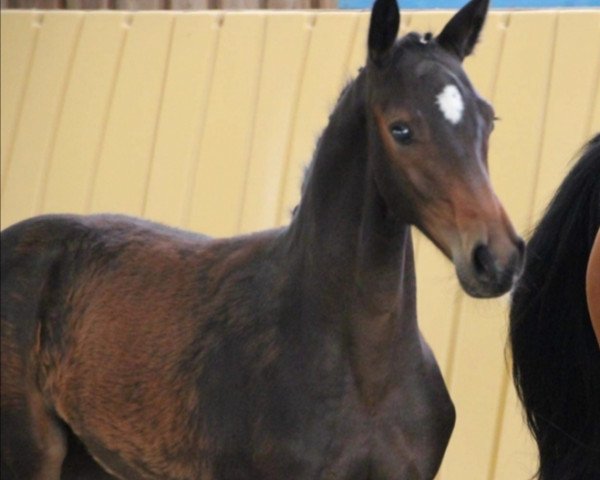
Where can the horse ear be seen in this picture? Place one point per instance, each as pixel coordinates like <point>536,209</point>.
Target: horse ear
<point>385,20</point>
<point>461,33</point>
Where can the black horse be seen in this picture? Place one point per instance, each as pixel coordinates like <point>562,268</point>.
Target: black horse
<point>556,358</point>
<point>287,354</point>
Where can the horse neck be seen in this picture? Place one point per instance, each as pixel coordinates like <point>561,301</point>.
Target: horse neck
<point>355,263</point>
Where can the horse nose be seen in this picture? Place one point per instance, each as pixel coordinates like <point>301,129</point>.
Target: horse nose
<point>494,275</point>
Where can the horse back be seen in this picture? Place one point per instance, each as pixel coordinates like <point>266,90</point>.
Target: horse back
<point>44,255</point>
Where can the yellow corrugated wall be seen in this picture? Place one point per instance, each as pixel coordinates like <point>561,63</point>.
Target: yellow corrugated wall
<point>206,120</point>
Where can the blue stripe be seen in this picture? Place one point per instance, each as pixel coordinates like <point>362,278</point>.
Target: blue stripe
<point>453,4</point>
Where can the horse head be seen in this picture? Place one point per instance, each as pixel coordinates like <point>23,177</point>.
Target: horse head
<point>428,145</point>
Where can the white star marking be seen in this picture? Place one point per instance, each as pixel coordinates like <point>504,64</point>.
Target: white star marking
<point>451,104</point>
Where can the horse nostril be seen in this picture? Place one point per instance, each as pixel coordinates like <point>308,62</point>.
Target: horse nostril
<point>494,275</point>
<point>483,262</point>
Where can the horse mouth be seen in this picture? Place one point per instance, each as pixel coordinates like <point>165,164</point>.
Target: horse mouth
<point>484,289</point>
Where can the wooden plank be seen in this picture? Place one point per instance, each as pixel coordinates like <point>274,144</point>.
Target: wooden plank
<point>595,120</point>
<point>190,4</point>
<point>326,4</point>
<point>570,99</point>
<point>324,75</point>
<point>517,452</point>
<point>124,160</point>
<point>239,4</point>
<point>520,102</point>
<point>218,192</point>
<point>481,66</point>
<point>39,4</point>
<point>288,4</point>
<point>476,386</point>
<point>140,4</point>
<point>40,112</point>
<point>84,115</point>
<point>88,4</point>
<point>429,21</point>
<point>19,34</point>
<point>358,54</point>
<point>187,90</point>
<point>437,306</point>
<point>521,94</point>
<point>287,39</point>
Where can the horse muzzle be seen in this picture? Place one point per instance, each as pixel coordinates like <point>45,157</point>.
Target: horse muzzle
<point>490,272</point>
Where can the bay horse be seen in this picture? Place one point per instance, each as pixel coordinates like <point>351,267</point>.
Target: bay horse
<point>292,353</point>
<point>555,352</point>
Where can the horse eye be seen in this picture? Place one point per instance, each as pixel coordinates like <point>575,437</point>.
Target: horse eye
<point>402,133</point>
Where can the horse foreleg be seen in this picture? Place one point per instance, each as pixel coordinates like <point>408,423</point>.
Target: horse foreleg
<point>33,441</point>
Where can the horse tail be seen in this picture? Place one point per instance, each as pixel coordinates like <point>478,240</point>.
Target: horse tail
<point>555,354</point>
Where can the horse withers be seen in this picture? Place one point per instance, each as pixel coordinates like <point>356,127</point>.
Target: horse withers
<point>287,354</point>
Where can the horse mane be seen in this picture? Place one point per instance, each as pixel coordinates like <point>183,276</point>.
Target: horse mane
<point>352,95</point>
<point>555,354</point>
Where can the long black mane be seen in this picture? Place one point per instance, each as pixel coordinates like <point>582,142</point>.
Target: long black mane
<point>556,359</point>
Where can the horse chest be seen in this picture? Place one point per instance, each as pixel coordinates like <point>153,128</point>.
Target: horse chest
<point>402,438</point>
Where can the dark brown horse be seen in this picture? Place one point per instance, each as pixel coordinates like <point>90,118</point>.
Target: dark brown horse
<point>287,354</point>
